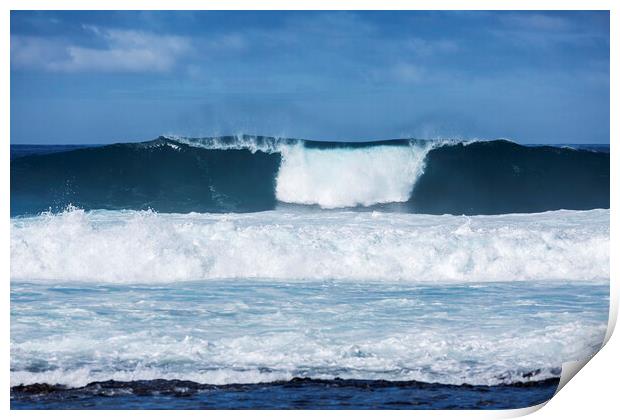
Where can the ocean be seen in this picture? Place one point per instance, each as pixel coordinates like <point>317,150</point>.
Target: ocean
<point>256,273</point>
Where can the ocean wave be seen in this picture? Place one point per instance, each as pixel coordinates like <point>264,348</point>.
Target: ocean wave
<point>240,142</point>
<point>80,377</point>
<point>349,177</point>
<point>246,174</point>
<point>134,246</point>
<point>445,357</point>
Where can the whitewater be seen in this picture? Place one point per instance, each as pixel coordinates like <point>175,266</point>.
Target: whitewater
<point>255,332</point>
<point>260,297</point>
<point>147,247</point>
<point>349,178</point>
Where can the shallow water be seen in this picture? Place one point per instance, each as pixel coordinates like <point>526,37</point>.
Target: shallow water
<point>304,309</point>
<point>238,331</point>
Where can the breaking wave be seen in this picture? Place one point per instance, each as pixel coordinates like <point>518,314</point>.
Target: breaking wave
<point>248,174</point>
<point>134,246</point>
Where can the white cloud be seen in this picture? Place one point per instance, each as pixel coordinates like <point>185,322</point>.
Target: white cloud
<point>123,51</point>
<point>33,51</point>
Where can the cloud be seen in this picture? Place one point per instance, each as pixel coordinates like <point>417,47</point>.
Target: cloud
<point>27,51</point>
<point>123,51</point>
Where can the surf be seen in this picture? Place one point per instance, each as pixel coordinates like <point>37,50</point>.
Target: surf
<point>249,174</point>
<point>147,247</point>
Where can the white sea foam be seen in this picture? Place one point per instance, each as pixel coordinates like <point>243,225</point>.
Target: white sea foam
<point>239,142</point>
<point>145,247</point>
<point>336,178</point>
<point>428,354</point>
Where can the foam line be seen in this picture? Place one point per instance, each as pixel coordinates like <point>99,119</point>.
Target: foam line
<point>132,246</point>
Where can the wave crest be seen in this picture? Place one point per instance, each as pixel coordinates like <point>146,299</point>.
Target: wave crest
<point>349,177</point>
<point>246,174</point>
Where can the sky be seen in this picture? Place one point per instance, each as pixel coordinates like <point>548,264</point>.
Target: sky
<point>102,77</point>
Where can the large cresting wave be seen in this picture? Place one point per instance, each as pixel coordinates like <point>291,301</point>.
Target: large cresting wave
<point>247,174</point>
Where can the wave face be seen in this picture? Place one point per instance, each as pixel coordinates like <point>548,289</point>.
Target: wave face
<point>503,177</point>
<point>147,247</point>
<point>163,175</point>
<point>246,174</point>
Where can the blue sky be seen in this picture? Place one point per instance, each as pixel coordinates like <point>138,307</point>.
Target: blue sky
<point>99,77</point>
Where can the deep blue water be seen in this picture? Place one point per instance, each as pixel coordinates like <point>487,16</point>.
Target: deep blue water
<point>295,394</point>
<point>19,150</point>
<point>250,174</point>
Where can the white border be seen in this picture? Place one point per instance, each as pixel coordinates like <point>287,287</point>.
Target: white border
<point>593,393</point>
